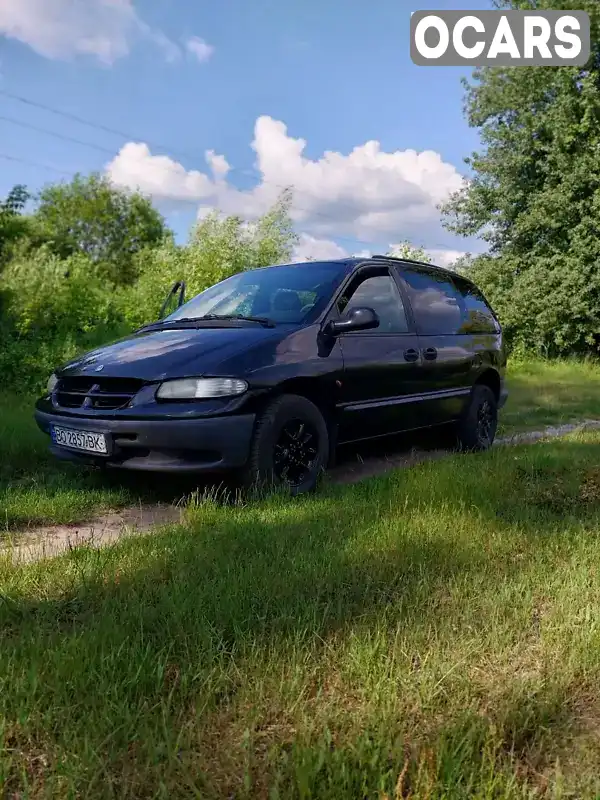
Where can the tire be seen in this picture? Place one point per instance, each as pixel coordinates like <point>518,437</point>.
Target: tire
<point>274,446</point>
<point>476,430</point>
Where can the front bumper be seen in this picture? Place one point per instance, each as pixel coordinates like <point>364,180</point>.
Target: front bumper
<point>209,444</point>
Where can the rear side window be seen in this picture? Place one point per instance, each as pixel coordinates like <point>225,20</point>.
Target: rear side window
<point>478,315</point>
<point>436,303</point>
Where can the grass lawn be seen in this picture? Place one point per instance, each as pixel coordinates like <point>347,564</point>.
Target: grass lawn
<point>35,489</point>
<point>433,633</point>
<point>550,393</point>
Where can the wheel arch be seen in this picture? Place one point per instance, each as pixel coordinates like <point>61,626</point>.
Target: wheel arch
<point>490,378</point>
<point>312,389</point>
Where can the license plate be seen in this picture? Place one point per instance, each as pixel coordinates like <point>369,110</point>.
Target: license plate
<point>79,440</point>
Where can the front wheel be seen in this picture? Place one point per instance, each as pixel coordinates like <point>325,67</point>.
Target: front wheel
<point>477,428</point>
<point>289,447</point>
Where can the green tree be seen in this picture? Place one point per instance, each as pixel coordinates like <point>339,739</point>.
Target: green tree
<point>219,246</point>
<point>227,245</point>
<point>110,225</point>
<point>534,195</point>
<point>13,222</point>
<point>406,250</point>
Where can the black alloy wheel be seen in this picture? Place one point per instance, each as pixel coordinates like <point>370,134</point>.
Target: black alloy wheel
<point>295,452</point>
<point>486,424</point>
<point>290,446</point>
<point>476,430</point>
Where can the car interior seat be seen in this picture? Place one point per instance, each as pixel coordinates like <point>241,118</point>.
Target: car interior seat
<point>287,306</point>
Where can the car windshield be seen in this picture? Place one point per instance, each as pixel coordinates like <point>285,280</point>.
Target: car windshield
<point>285,294</point>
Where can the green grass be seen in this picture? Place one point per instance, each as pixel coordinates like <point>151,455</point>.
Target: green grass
<point>550,393</point>
<point>434,633</point>
<point>34,488</point>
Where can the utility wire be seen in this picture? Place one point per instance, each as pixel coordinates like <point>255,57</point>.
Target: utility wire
<point>29,163</point>
<point>47,132</point>
<point>38,165</point>
<point>73,117</point>
<point>122,134</point>
<point>113,131</point>
<point>72,139</point>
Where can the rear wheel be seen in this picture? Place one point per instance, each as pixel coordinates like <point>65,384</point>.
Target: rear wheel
<point>290,446</point>
<point>477,428</point>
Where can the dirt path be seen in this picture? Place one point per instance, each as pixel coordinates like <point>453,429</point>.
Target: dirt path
<point>47,541</point>
<point>370,466</point>
<point>51,540</point>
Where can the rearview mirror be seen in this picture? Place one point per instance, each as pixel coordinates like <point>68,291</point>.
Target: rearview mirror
<point>178,286</point>
<point>357,319</point>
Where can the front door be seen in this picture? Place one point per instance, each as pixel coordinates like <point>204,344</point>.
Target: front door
<point>381,366</point>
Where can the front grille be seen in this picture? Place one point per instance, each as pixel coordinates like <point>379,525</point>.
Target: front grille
<point>99,393</point>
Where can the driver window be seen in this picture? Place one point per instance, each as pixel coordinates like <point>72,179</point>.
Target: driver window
<point>380,293</point>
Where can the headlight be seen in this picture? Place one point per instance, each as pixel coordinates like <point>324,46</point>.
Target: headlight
<point>200,388</point>
<point>52,381</point>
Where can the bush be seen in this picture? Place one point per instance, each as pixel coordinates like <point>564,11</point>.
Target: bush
<point>218,248</point>
<point>549,307</point>
<point>53,308</point>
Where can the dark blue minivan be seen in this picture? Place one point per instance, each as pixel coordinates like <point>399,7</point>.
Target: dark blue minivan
<point>268,371</point>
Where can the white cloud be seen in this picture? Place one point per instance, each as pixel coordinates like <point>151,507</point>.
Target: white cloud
<point>199,48</point>
<point>445,258</point>
<point>104,29</point>
<point>309,248</point>
<point>367,194</point>
<point>159,176</point>
<point>218,164</point>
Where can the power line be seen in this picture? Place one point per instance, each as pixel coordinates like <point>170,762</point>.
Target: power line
<point>169,168</point>
<point>114,131</point>
<point>98,126</point>
<point>47,132</point>
<point>29,163</point>
<point>71,174</point>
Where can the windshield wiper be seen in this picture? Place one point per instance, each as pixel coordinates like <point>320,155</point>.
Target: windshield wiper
<point>169,323</point>
<point>186,322</point>
<point>265,321</point>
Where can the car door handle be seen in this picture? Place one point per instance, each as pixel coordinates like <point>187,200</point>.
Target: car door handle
<point>411,354</point>
<point>430,354</point>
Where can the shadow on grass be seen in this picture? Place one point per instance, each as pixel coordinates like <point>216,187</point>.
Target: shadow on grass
<point>315,563</point>
<point>169,488</point>
<point>150,641</point>
<point>156,656</point>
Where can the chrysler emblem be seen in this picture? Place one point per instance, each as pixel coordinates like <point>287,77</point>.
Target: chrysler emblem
<point>99,368</point>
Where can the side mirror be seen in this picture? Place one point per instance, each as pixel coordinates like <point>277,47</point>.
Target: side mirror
<point>178,286</point>
<point>357,319</point>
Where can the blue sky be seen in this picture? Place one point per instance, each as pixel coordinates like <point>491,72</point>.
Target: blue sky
<point>181,80</point>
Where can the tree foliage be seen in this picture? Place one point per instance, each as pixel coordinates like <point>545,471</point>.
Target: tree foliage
<point>407,250</point>
<point>219,246</point>
<point>109,225</point>
<point>534,195</point>
<point>57,302</point>
<point>13,222</point>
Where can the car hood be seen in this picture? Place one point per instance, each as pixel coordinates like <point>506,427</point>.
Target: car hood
<point>160,354</point>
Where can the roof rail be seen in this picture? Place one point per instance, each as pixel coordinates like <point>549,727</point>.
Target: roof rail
<point>407,261</point>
